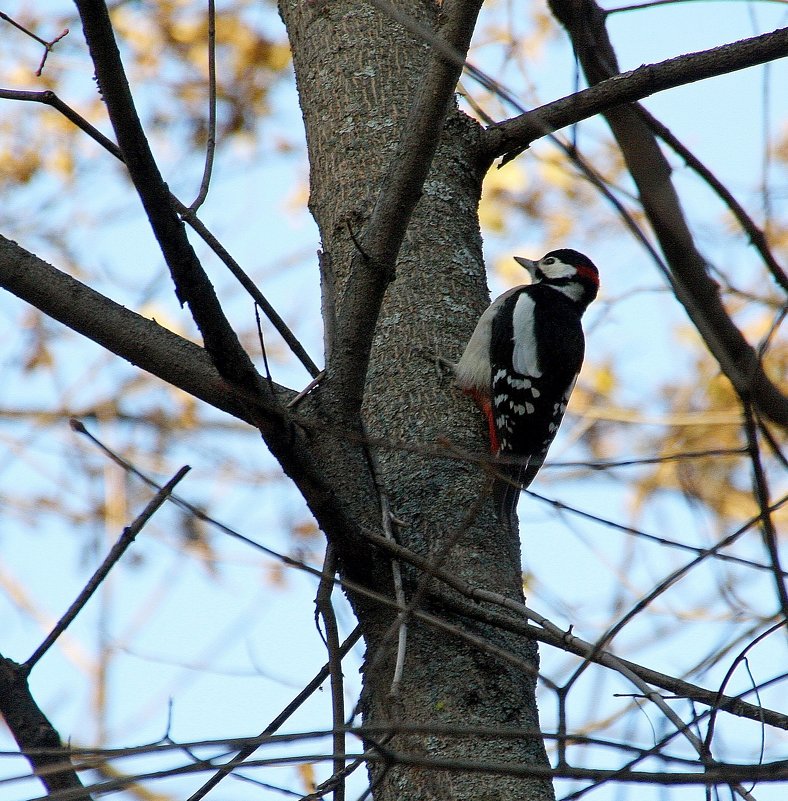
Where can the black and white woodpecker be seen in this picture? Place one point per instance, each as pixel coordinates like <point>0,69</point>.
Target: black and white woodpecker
<point>522,362</point>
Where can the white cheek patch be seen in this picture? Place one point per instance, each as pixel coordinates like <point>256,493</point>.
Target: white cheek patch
<point>557,270</point>
<point>524,357</point>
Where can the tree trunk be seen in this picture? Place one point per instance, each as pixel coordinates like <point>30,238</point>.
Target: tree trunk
<point>357,74</point>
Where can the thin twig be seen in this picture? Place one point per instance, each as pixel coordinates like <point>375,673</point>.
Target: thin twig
<point>210,145</point>
<point>307,389</point>
<point>325,608</point>
<point>732,669</point>
<point>651,172</point>
<point>191,283</point>
<point>756,236</point>
<point>244,753</point>
<point>430,568</point>
<point>261,339</point>
<point>761,492</point>
<point>551,634</point>
<point>47,45</point>
<point>567,640</point>
<point>49,98</point>
<point>516,134</point>
<point>112,558</point>
<point>396,573</point>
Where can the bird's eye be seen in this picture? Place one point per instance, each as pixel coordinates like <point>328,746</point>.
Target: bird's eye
<point>551,260</point>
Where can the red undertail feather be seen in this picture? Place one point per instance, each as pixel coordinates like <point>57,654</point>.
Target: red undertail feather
<point>483,402</point>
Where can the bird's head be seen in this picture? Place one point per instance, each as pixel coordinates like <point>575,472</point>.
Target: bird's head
<point>566,270</point>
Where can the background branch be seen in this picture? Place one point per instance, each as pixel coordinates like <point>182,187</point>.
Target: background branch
<point>36,737</point>
<point>584,20</point>
<point>140,341</point>
<point>512,136</point>
<point>191,283</point>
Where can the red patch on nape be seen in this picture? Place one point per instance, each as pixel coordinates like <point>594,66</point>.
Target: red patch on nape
<point>589,273</point>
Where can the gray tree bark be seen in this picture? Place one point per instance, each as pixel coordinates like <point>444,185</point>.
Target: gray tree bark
<point>358,73</point>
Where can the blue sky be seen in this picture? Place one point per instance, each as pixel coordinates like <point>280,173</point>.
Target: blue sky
<point>166,614</point>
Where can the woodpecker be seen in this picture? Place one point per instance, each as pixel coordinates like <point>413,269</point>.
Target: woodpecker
<point>522,362</point>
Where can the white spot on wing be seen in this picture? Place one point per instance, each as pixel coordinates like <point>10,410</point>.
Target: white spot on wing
<point>524,356</point>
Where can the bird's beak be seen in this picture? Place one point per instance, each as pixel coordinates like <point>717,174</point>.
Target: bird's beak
<point>528,264</point>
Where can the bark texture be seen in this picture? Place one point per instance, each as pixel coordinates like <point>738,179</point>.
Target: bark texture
<point>358,73</point>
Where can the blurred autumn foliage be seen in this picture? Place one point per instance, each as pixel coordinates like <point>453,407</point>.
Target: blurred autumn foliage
<point>649,393</point>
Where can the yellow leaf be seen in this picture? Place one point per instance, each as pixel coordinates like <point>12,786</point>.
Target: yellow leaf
<point>500,186</point>
<point>307,773</point>
<point>602,380</point>
<point>554,171</point>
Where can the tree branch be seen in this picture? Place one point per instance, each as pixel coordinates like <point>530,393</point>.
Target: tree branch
<point>373,265</point>
<point>693,286</point>
<point>514,135</point>
<point>125,540</point>
<point>191,283</point>
<point>550,634</point>
<point>756,236</point>
<point>188,215</point>
<point>183,364</point>
<point>123,332</point>
<point>36,737</point>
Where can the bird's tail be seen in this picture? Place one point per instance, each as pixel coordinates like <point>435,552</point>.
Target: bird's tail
<point>506,492</point>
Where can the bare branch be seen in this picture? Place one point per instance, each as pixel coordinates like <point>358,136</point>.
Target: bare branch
<point>47,45</point>
<point>36,737</point>
<point>756,235</point>
<point>140,341</point>
<point>516,134</point>
<point>210,147</point>
<point>549,633</point>
<point>325,609</point>
<point>692,284</point>
<point>191,283</point>
<point>761,494</point>
<point>178,362</point>
<point>302,696</point>
<point>49,98</point>
<point>392,212</point>
<point>113,557</point>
